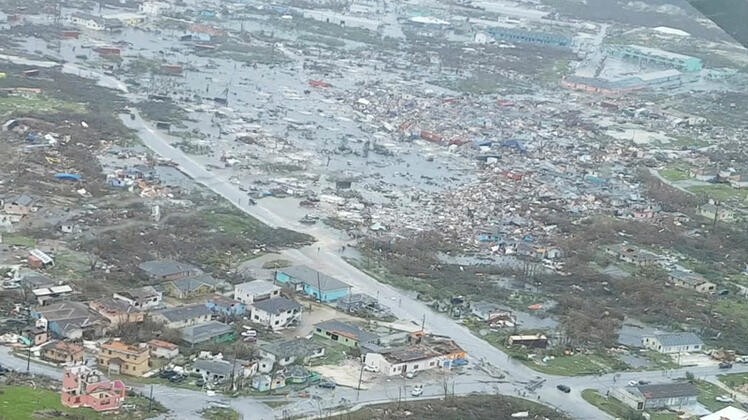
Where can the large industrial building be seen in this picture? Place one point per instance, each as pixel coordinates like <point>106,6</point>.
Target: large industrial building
<point>616,86</point>
<point>531,37</point>
<point>656,57</point>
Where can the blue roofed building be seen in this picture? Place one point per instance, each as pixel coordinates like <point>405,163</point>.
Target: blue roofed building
<point>313,283</point>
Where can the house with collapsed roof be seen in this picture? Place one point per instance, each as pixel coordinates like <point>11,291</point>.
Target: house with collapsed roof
<point>423,352</point>
<point>85,387</point>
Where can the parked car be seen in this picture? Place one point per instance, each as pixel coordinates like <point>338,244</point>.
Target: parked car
<point>373,369</point>
<point>644,382</point>
<point>410,374</point>
<point>327,384</point>
<point>176,378</point>
<point>725,365</point>
<point>633,383</point>
<point>563,388</point>
<point>724,399</point>
<point>166,374</point>
<point>417,391</point>
<point>200,382</point>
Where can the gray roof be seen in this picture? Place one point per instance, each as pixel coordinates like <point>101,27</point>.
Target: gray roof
<point>257,287</point>
<point>678,339</point>
<point>190,284</point>
<point>219,367</point>
<point>68,315</point>
<point>276,305</point>
<point>183,313</point>
<point>299,347</point>
<point>166,267</point>
<point>348,330</point>
<point>195,334</point>
<point>314,278</point>
<point>23,200</point>
<point>674,390</point>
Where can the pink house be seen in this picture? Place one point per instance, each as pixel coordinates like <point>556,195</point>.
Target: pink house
<point>84,387</point>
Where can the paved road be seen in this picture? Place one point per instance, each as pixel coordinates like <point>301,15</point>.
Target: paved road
<point>324,255</point>
<point>183,403</point>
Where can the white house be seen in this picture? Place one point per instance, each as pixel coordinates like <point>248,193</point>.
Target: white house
<point>163,349</point>
<point>403,361</point>
<point>275,313</point>
<point>673,343</point>
<point>256,290</point>
<point>154,8</point>
<point>88,21</point>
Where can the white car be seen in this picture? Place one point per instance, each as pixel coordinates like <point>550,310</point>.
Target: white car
<point>724,399</point>
<point>373,369</point>
<point>417,391</point>
<point>633,383</point>
<point>410,374</point>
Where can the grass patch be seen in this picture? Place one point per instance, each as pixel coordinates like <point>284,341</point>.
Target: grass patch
<point>720,192</point>
<point>18,240</point>
<point>675,173</point>
<point>707,394</point>
<point>216,413</point>
<point>334,352</point>
<point>610,405</point>
<point>20,402</point>
<point>571,365</point>
<point>470,407</point>
<point>39,103</point>
<point>734,380</point>
<point>276,264</point>
<point>659,361</point>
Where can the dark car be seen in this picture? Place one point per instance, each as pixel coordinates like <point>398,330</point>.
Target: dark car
<point>166,374</point>
<point>327,384</point>
<point>563,388</point>
<point>725,365</point>
<point>643,382</point>
<point>200,382</point>
<point>176,378</point>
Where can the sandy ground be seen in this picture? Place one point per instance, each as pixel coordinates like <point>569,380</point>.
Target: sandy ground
<point>346,374</point>
<point>314,313</point>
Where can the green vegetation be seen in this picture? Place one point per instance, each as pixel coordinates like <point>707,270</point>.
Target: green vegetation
<point>675,173</point>
<point>610,405</point>
<point>38,104</point>
<point>660,361</point>
<point>216,413</point>
<point>734,380</point>
<point>20,403</point>
<point>707,394</point>
<point>720,192</point>
<point>275,264</point>
<point>471,407</point>
<point>558,364</point>
<point>18,240</point>
<point>23,402</point>
<point>334,352</point>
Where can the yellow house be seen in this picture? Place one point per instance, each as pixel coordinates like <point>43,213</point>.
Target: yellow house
<point>120,358</point>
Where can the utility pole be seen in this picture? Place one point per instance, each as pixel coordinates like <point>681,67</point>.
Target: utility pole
<point>360,377</point>
<point>28,360</point>
<point>150,400</point>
